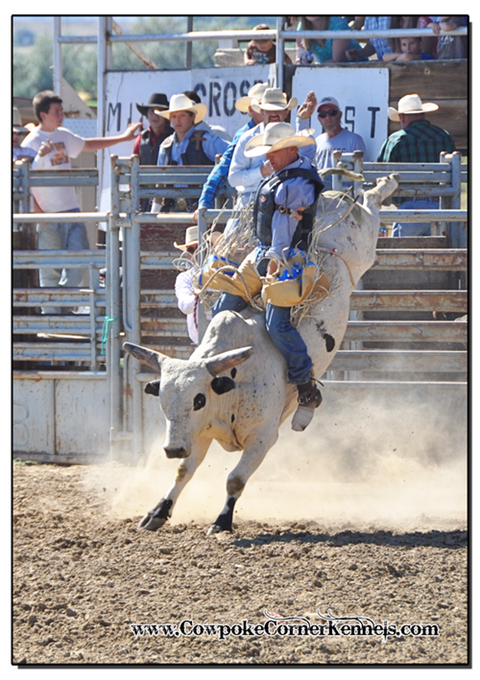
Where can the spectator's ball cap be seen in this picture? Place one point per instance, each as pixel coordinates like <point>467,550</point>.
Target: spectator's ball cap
<point>328,100</point>
<point>255,93</point>
<point>157,100</point>
<point>411,103</point>
<point>274,100</point>
<point>277,136</point>
<point>180,102</point>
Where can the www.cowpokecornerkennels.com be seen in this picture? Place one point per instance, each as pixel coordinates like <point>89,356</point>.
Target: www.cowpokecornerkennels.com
<point>330,626</point>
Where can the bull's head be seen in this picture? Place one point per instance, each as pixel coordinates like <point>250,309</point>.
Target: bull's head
<point>188,392</point>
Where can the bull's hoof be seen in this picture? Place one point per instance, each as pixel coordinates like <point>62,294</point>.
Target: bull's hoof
<point>151,523</point>
<point>217,529</point>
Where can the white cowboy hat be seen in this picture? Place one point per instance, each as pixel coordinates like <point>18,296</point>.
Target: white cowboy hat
<point>274,100</point>
<point>277,136</point>
<point>191,238</point>
<point>254,93</point>
<point>180,102</point>
<point>411,103</point>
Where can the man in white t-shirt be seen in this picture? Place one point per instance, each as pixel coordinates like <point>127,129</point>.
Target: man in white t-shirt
<point>334,136</point>
<point>55,146</point>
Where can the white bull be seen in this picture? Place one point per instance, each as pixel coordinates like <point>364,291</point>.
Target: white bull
<point>234,386</point>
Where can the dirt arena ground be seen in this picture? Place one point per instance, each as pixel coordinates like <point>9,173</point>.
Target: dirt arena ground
<point>385,540</point>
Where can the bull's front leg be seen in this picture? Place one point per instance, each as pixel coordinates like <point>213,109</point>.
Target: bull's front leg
<point>253,454</point>
<point>157,517</point>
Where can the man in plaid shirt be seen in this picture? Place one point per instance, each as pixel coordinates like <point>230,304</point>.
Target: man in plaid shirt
<point>417,142</point>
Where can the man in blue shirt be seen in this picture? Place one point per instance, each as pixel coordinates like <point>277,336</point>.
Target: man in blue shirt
<point>220,172</point>
<point>187,145</point>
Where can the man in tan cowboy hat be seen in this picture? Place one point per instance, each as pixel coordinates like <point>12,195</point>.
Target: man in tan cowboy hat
<point>187,145</point>
<point>179,148</point>
<point>247,172</point>
<point>283,217</point>
<point>417,142</point>
<point>220,172</point>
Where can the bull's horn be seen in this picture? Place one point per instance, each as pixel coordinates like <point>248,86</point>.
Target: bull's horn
<point>226,360</point>
<point>145,355</point>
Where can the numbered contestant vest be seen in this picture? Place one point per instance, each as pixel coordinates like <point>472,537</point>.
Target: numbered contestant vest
<point>265,206</point>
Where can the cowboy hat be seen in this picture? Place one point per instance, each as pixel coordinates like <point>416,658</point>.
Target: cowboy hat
<point>191,238</point>
<point>411,103</point>
<point>180,102</point>
<point>254,94</point>
<point>157,100</point>
<point>274,99</point>
<point>277,136</point>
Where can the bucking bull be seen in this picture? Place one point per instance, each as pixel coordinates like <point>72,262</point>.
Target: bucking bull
<point>234,386</point>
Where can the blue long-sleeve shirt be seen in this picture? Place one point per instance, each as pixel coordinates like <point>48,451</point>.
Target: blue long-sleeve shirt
<point>220,172</point>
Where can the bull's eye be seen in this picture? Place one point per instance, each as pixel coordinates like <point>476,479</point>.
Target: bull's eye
<point>199,401</point>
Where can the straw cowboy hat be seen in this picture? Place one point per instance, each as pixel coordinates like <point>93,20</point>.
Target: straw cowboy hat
<point>180,102</point>
<point>274,100</point>
<point>191,238</point>
<point>157,100</point>
<point>277,136</point>
<point>411,103</point>
<point>255,93</point>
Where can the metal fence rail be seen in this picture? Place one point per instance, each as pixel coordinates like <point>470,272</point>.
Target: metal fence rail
<point>125,309</point>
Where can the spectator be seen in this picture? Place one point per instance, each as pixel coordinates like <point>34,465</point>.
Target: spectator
<point>324,50</point>
<point>410,50</point>
<point>188,145</point>
<point>147,144</point>
<point>429,45</point>
<point>20,153</point>
<point>450,47</point>
<point>378,46</point>
<point>417,142</point>
<point>262,50</point>
<point>334,136</point>
<point>220,172</point>
<point>216,129</point>
<point>55,146</point>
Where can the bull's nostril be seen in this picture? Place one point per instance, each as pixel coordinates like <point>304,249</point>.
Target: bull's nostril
<point>176,452</point>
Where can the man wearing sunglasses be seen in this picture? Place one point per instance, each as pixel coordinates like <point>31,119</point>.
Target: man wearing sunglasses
<point>334,136</point>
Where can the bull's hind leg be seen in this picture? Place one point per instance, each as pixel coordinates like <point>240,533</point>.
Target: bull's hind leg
<point>253,454</point>
<point>157,517</point>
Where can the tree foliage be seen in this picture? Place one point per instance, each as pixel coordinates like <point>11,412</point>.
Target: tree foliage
<point>32,67</point>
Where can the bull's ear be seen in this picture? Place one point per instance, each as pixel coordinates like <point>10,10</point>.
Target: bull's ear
<point>227,360</point>
<point>145,355</point>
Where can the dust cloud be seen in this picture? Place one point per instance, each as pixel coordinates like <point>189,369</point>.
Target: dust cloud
<point>393,461</point>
